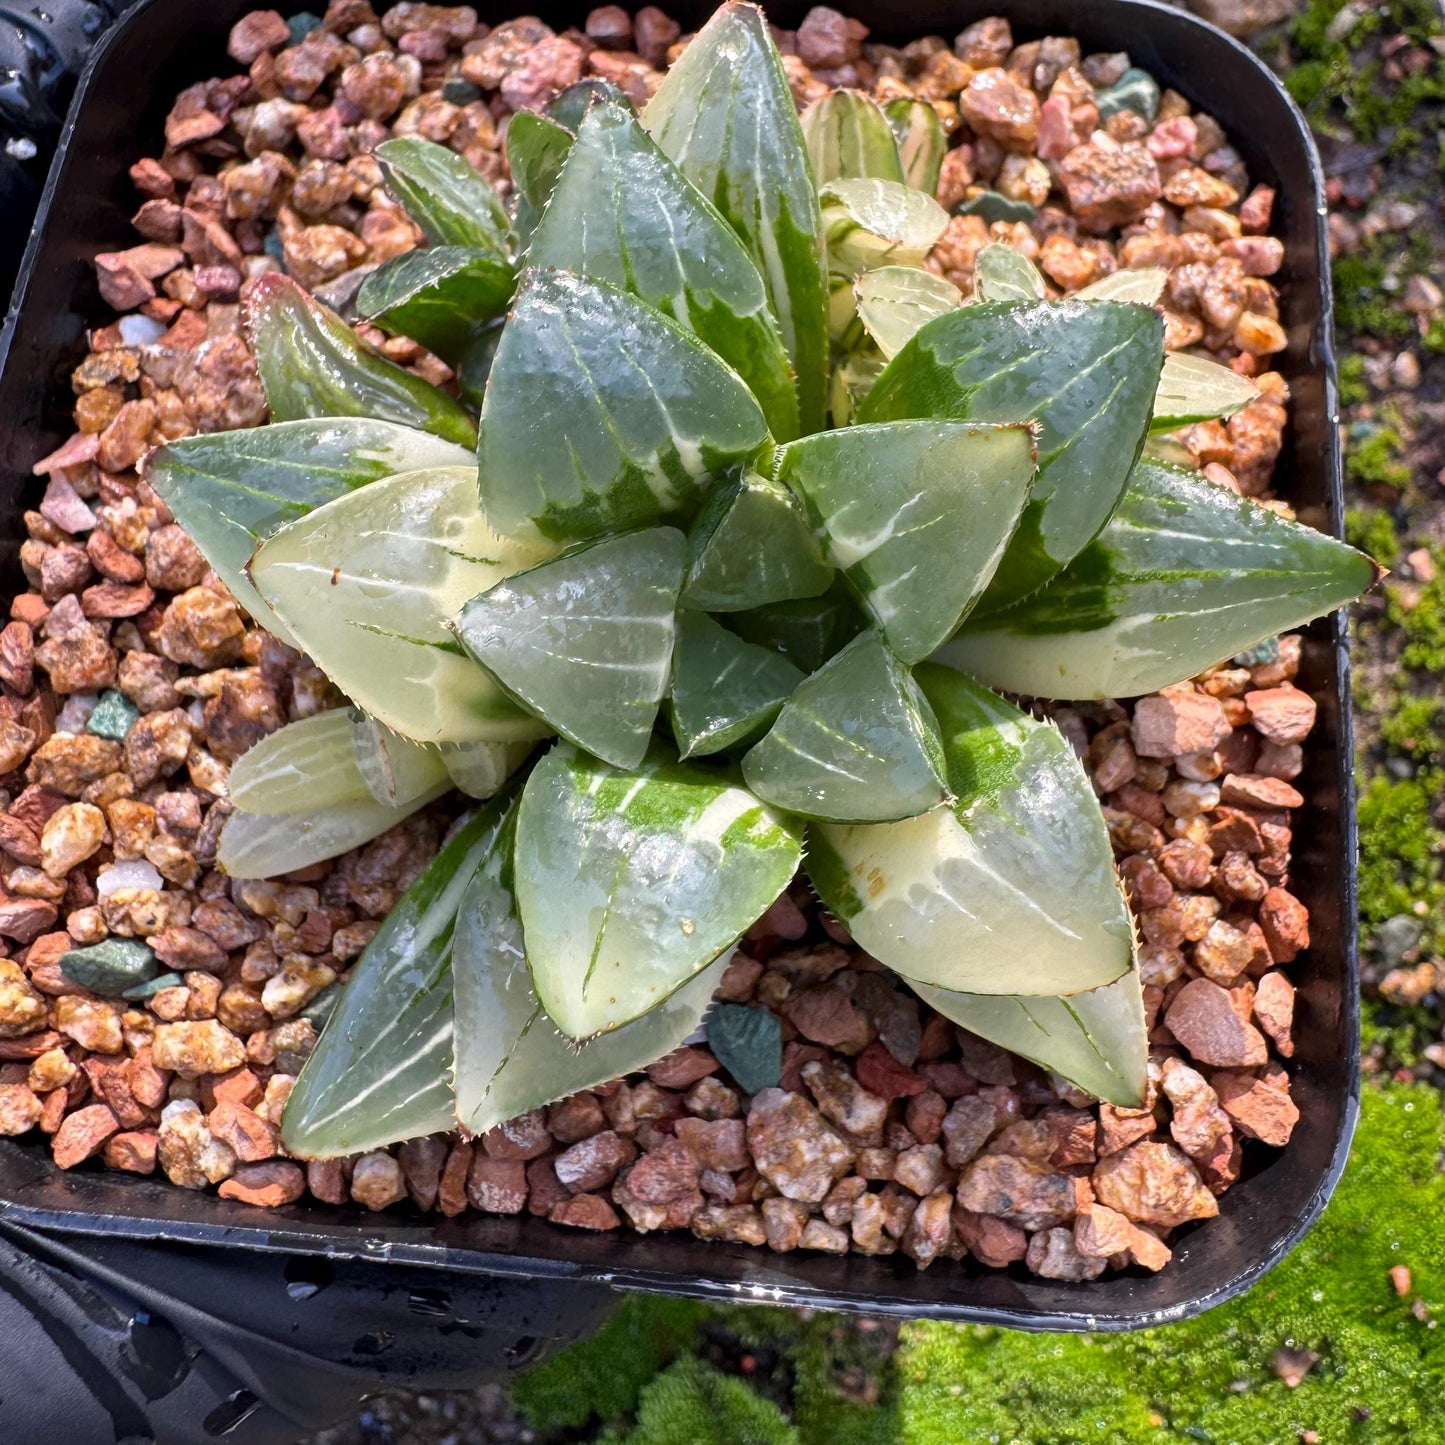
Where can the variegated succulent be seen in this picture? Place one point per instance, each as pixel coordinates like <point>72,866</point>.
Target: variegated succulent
<point>749,512</point>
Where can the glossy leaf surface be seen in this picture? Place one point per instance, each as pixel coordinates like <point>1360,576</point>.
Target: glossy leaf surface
<point>585,640</point>
<point>915,514</point>
<point>725,115</point>
<point>369,582</point>
<point>856,742</point>
<point>396,770</point>
<point>1186,573</point>
<point>848,137</point>
<point>480,769</point>
<point>622,213</point>
<point>1085,371</point>
<point>1002,273</point>
<point>603,414</point>
<point>725,692</point>
<point>442,296</point>
<point>896,302</point>
<point>751,545</point>
<point>313,364</point>
<point>232,490</point>
<point>631,883</point>
<point>807,631</point>
<point>304,765</point>
<point>536,147</point>
<point>1192,389</point>
<point>921,139</point>
<point>381,1069</point>
<point>1009,890</point>
<point>454,204</point>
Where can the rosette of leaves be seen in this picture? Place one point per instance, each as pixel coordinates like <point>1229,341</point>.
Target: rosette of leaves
<point>715,571</point>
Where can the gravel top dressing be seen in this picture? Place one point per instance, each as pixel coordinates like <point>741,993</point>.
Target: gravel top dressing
<point>1014,279</point>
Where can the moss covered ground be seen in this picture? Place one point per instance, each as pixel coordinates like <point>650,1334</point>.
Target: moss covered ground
<point>1362,1344</point>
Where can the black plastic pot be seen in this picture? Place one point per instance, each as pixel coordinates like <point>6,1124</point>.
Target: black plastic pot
<point>165,45</point>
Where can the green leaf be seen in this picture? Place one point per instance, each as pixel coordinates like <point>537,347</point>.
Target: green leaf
<point>480,769</point>
<point>536,148</point>
<point>1084,370</point>
<point>750,546</point>
<point>1096,1040</point>
<point>304,765</point>
<point>622,213</point>
<point>856,742</point>
<point>603,414</point>
<point>395,769</point>
<point>851,381</point>
<point>1011,889</point>
<point>509,1055</point>
<point>475,365</point>
<point>585,640</point>
<point>380,1071</point>
<point>896,302</point>
<point>1144,285</point>
<point>725,116</point>
<point>1002,273</point>
<point>453,203</point>
<point>725,691</point>
<point>1193,389</point>
<point>849,138</point>
<point>872,223</point>
<point>266,845</point>
<point>807,631</point>
<point>1186,573</point>
<point>569,107</point>
<point>232,490</point>
<point>441,297</point>
<point>312,364</point>
<point>921,140</point>
<point>368,583</point>
<point>630,883</point>
<point>916,515</point>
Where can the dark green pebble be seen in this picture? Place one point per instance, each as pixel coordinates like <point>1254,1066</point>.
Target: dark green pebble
<point>1135,90</point>
<point>994,206</point>
<point>153,986</point>
<point>748,1043</point>
<point>111,967</point>
<point>301,25</point>
<point>114,716</point>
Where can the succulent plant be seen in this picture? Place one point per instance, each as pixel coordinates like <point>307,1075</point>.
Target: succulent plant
<point>759,513</point>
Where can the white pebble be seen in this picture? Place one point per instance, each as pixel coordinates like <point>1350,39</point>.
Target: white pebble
<point>135,873</point>
<point>140,330</point>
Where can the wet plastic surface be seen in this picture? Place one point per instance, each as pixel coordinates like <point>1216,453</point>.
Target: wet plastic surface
<point>167,44</point>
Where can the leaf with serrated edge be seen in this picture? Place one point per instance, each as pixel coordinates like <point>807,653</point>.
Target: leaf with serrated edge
<point>510,1056</point>
<point>1186,573</point>
<point>262,845</point>
<point>441,296</point>
<point>601,413</point>
<point>896,302</point>
<point>480,769</point>
<point>1011,889</point>
<point>452,202</point>
<point>807,631</point>
<point>724,114</point>
<point>1002,273</point>
<point>1084,370</point>
<point>1144,285</point>
<point>381,1069</point>
<point>313,364</point>
<point>915,514</point>
<point>1192,389</point>
<point>1096,1040</point>
<point>396,769</point>
<point>855,743</point>
<point>725,691</point>
<point>585,640</point>
<point>750,546</point>
<point>623,213</point>
<point>871,223</point>
<point>302,766</point>
<point>630,883</point>
<point>849,138</point>
<point>368,583</point>
<point>921,141</point>
<point>232,490</point>
<point>536,148</point>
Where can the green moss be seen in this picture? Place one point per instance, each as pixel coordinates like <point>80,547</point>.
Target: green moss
<point>690,1401</point>
<point>1374,459</point>
<point>1382,1370</point>
<point>1363,305</point>
<point>1400,849</point>
<point>1372,530</point>
<point>1421,618</point>
<point>1434,337</point>
<point>601,1379</point>
<point>1354,389</point>
<point>1412,727</point>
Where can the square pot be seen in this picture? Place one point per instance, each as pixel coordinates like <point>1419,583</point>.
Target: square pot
<point>119,108</point>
